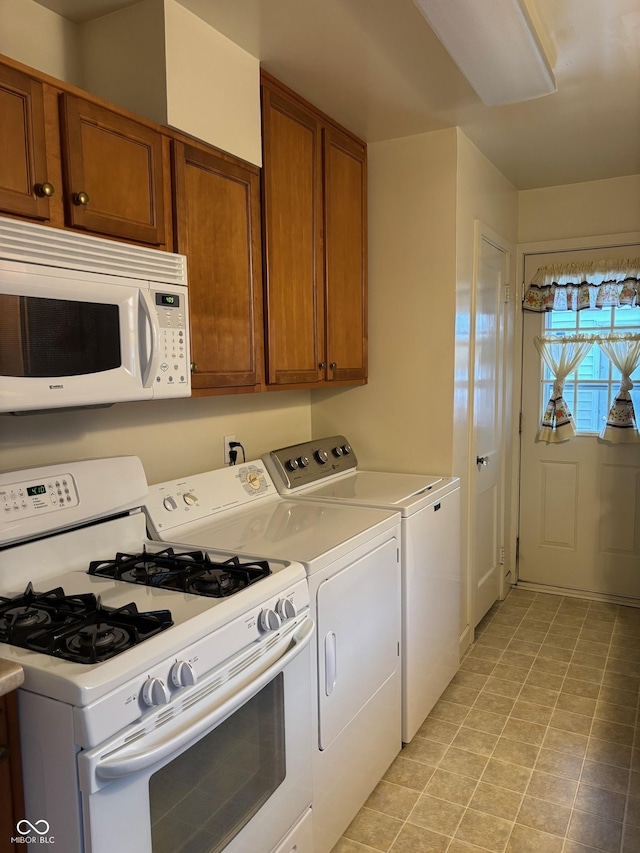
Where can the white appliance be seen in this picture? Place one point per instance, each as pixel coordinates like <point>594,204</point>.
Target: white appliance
<point>352,558</point>
<point>86,321</point>
<point>165,708</point>
<point>326,469</point>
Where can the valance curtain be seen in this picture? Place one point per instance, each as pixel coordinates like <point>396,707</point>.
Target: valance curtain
<point>562,355</point>
<point>592,284</point>
<point>624,351</point>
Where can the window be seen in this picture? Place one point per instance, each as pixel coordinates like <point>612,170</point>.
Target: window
<point>590,390</point>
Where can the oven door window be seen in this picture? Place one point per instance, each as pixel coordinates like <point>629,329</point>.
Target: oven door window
<point>57,337</point>
<point>203,798</point>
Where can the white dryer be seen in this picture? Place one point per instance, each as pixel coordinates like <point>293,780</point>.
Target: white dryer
<point>326,469</point>
<point>352,558</point>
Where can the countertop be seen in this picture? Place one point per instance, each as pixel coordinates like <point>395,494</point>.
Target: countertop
<point>11,676</point>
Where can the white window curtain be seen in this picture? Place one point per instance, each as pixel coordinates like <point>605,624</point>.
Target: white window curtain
<point>562,355</point>
<point>624,351</point>
<point>591,284</point>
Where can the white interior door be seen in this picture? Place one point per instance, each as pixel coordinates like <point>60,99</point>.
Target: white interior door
<point>580,499</point>
<point>486,487</point>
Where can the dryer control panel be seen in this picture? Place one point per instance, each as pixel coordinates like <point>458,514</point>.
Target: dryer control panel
<point>310,462</point>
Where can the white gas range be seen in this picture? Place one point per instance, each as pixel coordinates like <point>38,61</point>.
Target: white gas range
<point>166,702</point>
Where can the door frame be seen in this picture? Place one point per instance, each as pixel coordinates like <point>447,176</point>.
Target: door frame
<point>523,251</point>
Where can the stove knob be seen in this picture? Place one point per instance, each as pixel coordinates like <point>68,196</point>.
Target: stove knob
<point>269,620</point>
<point>170,503</point>
<point>183,674</point>
<point>321,456</point>
<point>190,498</point>
<point>338,451</point>
<point>292,464</point>
<point>155,692</point>
<point>286,609</point>
<point>303,461</point>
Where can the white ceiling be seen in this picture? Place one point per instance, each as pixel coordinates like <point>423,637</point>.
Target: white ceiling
<point>376,67</point>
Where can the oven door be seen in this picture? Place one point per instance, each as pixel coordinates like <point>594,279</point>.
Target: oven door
<point>225,766</point>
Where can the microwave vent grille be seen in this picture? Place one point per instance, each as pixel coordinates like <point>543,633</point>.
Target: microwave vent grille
<point>42,244</point>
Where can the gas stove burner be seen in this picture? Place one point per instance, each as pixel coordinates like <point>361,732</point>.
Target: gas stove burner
<point>76,627</point>
<point>190,571</point>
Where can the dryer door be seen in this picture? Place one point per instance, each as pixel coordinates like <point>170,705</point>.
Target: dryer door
<point>358,624</point>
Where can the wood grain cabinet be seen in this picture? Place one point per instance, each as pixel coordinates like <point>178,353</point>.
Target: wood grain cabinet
<point>217,227</point>
<point>314,224</point>
<point>71,162</point>
<point>11,796</point>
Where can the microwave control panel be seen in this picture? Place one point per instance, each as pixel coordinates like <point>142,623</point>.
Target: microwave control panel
<point>173,366</point>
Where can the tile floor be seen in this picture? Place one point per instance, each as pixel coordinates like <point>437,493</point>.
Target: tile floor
<point>534,747</point>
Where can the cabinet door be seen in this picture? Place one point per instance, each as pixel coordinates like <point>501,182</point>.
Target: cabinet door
<point>292,199</point>
<point>116,164</point>
<point>11,795</point>
<point>345,230</point>
<point>218,229</point>
<point>23,166</point>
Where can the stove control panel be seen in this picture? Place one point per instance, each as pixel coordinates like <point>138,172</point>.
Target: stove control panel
<point>31,497</point>
<point>310,462</point>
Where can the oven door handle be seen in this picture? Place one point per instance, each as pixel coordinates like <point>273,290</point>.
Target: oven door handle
<point>160,748</point>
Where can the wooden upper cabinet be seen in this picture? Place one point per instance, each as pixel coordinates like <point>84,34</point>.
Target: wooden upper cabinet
<point>23,160</point>
<point>292,212</point>
<point>114,172</point>
<point>345,230</point>
<point>217,202</point>
<point>315,226</point>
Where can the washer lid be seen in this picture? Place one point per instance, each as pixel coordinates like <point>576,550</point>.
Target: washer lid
<point>406,492</point>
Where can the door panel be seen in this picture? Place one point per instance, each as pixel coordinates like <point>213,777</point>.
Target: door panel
<point>580,499</point>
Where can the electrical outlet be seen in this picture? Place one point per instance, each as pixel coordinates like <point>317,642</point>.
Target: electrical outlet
<point>227,441</point>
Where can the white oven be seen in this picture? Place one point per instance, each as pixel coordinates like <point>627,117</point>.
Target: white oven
<point>197,737</point>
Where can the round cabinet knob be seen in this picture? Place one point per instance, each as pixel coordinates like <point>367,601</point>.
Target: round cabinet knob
<point>44,190</point>
<point>321,456</point>
<point>183,674</point>
<point>303,461</point>
<point>155,692</point>
<point>333,365</point>
<point>346,449</point>
<point>190,498</point>
<point>81,199</point>
<point>322,365</point>
<point>292,464</point>
<point>194,367</point>
<point>338,451</point>
<point>170,503</point>
<point>286,609</point>
<point>269,620</point>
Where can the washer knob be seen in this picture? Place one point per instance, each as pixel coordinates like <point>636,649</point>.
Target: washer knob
<point>269,620</point>
<point>155,692</point>
<point>338,451</point>
<point>286,609</point>
<point>321,456</point>
<point>292,464</point>
<point>190,498</point>
<point>183,674</point>
<point>170,503</point>
<point>303,461</point>
<point>346,449</point>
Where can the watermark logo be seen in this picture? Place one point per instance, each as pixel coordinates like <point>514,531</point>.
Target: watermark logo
<point>33,833</point>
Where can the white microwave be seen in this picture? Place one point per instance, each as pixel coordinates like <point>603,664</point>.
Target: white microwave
<point>86,321</point>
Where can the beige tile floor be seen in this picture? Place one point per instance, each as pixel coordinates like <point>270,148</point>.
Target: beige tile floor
<point>533,748</point>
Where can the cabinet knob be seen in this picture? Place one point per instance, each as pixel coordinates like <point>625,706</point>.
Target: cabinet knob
<point>322,365</point>
<point>4,754</point>
<point>81,198</point>
<point>44,190</point>
<point>194,367</point>
<point>333,365</point>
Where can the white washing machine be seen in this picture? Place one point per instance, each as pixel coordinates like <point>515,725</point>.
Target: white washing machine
<point>352,556</point>
<point>326,469</point>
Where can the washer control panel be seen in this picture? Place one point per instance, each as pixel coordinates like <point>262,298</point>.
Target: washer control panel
<point>310,462</point>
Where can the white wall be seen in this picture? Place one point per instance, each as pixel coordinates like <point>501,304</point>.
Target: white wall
<point>402,420</point>
<point>172,437</point>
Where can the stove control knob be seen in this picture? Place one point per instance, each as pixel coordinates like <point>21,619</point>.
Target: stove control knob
<point>286,609</point>
<point>269,620</point>
<point>183,674</point>
<point>292,464</point>
<point>190,498</point>
<point>155,692</point>
<point>303,461</point>
<point>321,456</point>
<point>170,503</point>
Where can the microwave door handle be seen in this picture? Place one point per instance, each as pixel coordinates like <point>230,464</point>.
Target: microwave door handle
<point>151,368</point>
<point>160,748</point>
